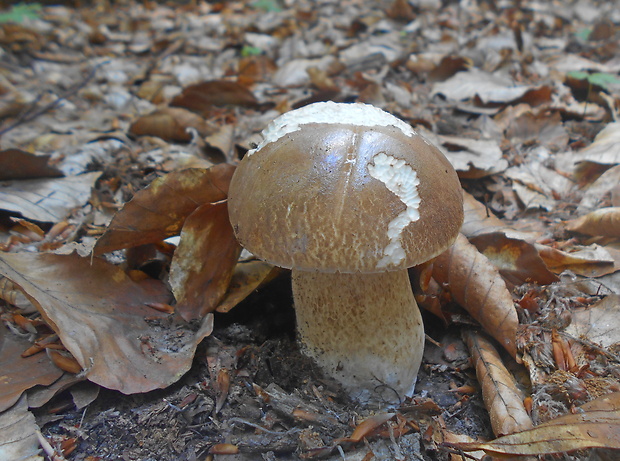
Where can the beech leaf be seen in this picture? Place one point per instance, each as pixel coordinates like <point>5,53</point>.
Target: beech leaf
<point>477,286</point>
<point>102,317</point>
<point>203,262</point>
<point>502,398</point>
<point>21,373</point>
<point>596,424</point>
<point>159,211</point>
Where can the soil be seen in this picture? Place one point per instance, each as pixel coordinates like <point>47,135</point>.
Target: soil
<point>252,388</point>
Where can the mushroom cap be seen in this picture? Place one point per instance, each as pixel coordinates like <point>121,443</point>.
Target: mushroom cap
<point>344,188</point>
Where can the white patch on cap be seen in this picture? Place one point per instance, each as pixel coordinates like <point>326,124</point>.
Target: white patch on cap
<point>403,181</point>
<point>357,114</point>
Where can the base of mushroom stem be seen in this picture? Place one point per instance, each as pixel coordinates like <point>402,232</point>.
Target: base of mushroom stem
<point>364,330</point>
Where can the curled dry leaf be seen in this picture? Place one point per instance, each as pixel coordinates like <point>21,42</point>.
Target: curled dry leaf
<point>591,261</point>
<point>479,219</point>
<point>201,97</point>
<point>102,318</point>
<point>602,222</point>
<point>19,164</point>
<point>477,286</point>
<point>21,373</point>
<point>204,261</point>
<point>159,211</point>
<point>596,424</point>
<point>247,277</point>
<point>502,398</point>
<point>47,200</point>
<point>18,434</point>
<point>170,124</point>
<point>517,260</point>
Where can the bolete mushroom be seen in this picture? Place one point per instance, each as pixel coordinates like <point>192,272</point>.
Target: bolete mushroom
<point>348,197</point>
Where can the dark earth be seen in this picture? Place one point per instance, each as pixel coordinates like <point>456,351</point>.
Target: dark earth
<point>257,338</point>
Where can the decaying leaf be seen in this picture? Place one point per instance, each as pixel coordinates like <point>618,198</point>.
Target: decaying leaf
<point>201,97</point>
<point>602,222</point>
<point>247,277</point>
<point>479,219</point>
<point>170,124</point>
<point>19,164</point>
<point>502,397</point>
<point>599,323</point>
<point>203,263</point>
<point>47,200</point>
<point>517,260</point>
<point>159,211</point>
<point>18,434</point>
<point>596,424</point>
<point>591,261</point>
<point>477,286</point>
<point>102,318</point>
<point>21,373</point>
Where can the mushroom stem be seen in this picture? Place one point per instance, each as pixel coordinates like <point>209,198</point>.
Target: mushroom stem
<point>364,330</point>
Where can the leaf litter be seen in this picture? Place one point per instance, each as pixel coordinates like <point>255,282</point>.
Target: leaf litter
<point>120,127</point>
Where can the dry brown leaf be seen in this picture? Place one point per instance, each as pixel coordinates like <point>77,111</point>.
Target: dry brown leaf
<point>203,263</point>
<point>47,200</point>
<point>159,211</point>
<point>170,124</point>
<point>18,434</point>
<point>502,398</point>
<point>19,164</point>
<point>102,318</point>
<point>517,261</point>
<point>591,261</point>
<point>201,97</point>
<point>477,286</point>
<point>604,151</point>
<point>596,424</point>
<point>479,219</point>
<point>247,277</point>
<point>21,373</point>
<point>602,222</point>
<point>598,323</point>
<point>367,426</point>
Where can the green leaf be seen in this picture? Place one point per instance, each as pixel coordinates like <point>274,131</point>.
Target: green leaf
<point>600,79</point>
<point>248,50</point>
<point>271,6</point>
<point>583,34</point>
<point>19,12</point>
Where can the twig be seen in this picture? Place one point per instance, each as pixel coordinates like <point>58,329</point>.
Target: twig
<point>30,114</point>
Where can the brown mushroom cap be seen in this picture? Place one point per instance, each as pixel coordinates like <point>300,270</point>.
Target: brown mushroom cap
<point>344,196</point>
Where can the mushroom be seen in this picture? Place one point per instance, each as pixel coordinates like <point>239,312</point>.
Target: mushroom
<point>348,197</point>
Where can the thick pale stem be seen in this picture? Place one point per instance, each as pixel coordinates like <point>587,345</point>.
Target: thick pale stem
<point>364,330</point>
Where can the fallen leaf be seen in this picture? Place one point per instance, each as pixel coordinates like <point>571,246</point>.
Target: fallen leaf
<point>247,277</point>
<point>596,424</point>
<point>170,124</point>
<point>21,373</point>
<point>102,318</point>
<point>591,261</point>
<point>474,158</point>
<point>203,263</point>
<point>602,222</point>
<point>19,164</point>
<point>159,211</point>
<point>477,286</point>
<point>18,434</point>
<point>201,97</point>
<point>502,398</point>
<point>367,426</point>
<point>517,260</point>
<point>599,323</point>
<point>490,88</point>
<point>47,200</point>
